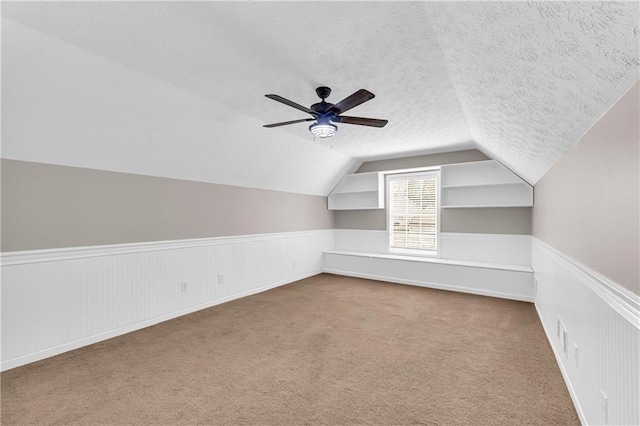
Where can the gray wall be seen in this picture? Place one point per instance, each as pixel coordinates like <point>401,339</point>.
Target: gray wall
<point>483,220</point>
<point>503,220</point>
<point>586,206</point>
<point>46,206</point>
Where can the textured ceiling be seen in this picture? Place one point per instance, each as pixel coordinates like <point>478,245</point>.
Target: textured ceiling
<point>532,77</point>
<point>521,80</point>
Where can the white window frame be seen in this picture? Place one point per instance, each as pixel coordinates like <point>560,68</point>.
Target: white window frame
<point>412,252</point>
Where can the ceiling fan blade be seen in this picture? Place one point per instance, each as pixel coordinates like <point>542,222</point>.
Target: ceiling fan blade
<point>360,121</point>
<point>359,97</point>
<point>285,123</point>
<point>292,104</point>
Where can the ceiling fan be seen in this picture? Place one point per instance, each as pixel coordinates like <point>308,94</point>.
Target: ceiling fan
<point>325,114</point>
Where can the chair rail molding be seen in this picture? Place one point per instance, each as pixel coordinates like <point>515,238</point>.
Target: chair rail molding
<point>623,301</point>
<point>67,253</point>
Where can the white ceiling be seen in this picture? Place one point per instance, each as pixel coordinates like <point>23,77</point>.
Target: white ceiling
<point>67,106</point>
<point>521,81</point>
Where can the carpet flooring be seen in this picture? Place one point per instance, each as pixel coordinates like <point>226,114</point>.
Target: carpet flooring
<point>325,350</point>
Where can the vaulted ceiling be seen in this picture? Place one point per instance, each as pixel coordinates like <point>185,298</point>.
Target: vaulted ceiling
<point>522,81</point>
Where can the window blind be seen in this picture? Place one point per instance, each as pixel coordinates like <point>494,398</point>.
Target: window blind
<point>413,211</point>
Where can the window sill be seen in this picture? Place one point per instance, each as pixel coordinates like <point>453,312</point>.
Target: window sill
<point>413,253</point>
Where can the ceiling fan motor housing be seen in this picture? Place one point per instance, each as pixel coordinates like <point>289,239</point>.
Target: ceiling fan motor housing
<point>321,107</point>
<point>323,92</point>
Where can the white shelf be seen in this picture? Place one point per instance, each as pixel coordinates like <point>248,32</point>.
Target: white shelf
<point>477,173</point>
<point>436,260</point>
<point>465,185</point>
<point>347,192</point>
<point>358,182</point>
<point>483,184</point>
<point>360,191</point>
<point>476,206</point>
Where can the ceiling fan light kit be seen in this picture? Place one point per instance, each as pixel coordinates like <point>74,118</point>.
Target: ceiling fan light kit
<point>325,114</point>
<point>325,130</point>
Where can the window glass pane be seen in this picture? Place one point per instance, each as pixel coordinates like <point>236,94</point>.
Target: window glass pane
<point>413,211</point>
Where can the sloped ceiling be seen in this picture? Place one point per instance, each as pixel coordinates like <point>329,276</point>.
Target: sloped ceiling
<point>66,106</point>
<point>532,77</point>
<point>521,81</point>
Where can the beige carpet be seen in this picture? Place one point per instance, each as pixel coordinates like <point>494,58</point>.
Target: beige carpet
<point>325,350</point>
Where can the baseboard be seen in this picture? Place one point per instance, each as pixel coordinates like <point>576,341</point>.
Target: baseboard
<point>427,284</point>
<point>49,352</point>
<point>565,375</point>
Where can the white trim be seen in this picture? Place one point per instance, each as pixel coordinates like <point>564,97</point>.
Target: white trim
<point>49,255</point>
<point>565,375</point>
<point>480,206</point>
<point>623,301</point>
<point>451,262</point>
<point>427,284</point>
<point>411,170</point>
<point>414,252</point>
<point>389,256</point>
<point>487,265</point>
<point>427,171</point>
<point>56,350</point>
<point>504,249</point>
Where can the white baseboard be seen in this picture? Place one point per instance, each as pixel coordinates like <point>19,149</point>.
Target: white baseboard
<point>55,301</point>
<point>603,319</point>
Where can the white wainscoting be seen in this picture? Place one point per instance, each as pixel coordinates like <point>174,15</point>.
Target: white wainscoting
<point>487,264</point>
<point>466,277</point>
<point>57,300</point>
<point>54,301</point>
<point>603,320</point>
<point>491,248</point>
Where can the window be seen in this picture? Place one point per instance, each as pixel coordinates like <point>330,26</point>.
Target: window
<point>413,212</point>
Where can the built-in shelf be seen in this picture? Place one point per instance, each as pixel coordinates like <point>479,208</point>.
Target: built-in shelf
<point>476,184</point>
<point>437,260</point>
<point>354,191</point>
<point>359,191</point>
<point>475,206</point>
<point>477,173</point>
<point>483,184</point>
